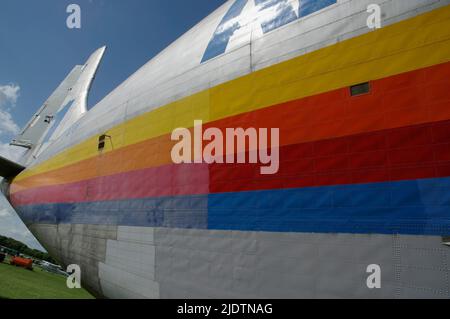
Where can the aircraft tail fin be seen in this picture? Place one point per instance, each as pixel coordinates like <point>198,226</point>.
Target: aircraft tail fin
<point>66,105</point>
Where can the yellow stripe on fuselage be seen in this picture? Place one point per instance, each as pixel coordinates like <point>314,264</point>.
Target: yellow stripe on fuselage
<point>406,46</point>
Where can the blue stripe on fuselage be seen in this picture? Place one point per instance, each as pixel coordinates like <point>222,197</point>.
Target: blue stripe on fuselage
<point>420,207</point>
<point>170,212</point>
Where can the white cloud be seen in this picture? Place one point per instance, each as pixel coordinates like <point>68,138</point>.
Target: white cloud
<point>9,94</point>
<point>8,99</point>
<point>7,125</point>
<point>8,128</point>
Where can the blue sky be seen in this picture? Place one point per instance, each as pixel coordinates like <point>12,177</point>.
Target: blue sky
<point>37,50</point>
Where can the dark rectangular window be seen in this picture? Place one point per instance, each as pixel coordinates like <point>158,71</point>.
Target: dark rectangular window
<point>360,89</point>
<point>101,142</point>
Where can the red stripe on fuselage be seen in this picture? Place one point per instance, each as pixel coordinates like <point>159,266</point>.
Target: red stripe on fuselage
<point>415,152</point>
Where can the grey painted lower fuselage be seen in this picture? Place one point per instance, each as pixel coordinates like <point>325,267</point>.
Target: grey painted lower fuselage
<point>139,262</point>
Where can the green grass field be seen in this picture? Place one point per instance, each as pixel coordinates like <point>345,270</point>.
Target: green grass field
<point>18,283</point>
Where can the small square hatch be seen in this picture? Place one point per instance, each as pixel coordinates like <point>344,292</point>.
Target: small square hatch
<point>360,89</point>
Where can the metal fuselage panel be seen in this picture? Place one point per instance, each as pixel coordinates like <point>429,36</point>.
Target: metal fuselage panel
<point>362,180</point>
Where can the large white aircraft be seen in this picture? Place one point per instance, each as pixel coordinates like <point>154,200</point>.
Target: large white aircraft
<point>357,204</point>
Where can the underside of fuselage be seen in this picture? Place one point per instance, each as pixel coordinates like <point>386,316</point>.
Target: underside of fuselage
<point>146,262</point>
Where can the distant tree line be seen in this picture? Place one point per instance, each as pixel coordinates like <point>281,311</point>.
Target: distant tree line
<point>25,250</point>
